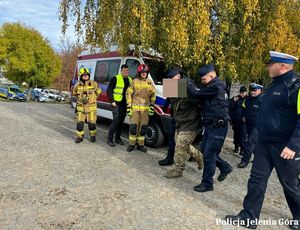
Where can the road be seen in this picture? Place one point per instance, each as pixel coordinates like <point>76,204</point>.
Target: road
<point>49,182</point>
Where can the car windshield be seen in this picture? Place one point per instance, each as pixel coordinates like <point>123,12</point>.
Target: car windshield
<point>15,90</point>
<point>157,70</point>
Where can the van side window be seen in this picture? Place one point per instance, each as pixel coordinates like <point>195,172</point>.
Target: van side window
<point>132,66</point>
<point>106,69</point>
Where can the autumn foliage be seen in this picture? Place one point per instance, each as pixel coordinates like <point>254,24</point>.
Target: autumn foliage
<point>236,34</point>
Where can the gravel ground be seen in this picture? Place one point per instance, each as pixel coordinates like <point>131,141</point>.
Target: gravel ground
<point>49,182</point>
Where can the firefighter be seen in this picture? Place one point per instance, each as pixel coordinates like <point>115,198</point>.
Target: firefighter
<point>140,98</point>
<point>86,91</point>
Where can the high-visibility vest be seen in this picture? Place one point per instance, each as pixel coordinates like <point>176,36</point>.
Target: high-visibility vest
<point>118,90</point>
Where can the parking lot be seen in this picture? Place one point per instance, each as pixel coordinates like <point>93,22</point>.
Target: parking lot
<point>49,182</point>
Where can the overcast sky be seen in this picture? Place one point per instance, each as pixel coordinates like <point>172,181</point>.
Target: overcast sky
<point>39,14</point>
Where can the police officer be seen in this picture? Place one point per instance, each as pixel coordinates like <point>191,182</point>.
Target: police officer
<point>278,145</point>
<point>238,126</point>
<point>116,92</point>
<point>86,91</point>
<point>140,104</point>
<point>215,121</point>
<point>187,123</point>
<point>250,110</point>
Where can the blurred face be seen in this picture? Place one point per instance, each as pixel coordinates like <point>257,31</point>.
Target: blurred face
<point>243,94</point>
<point>176,77</point>
<point>125,72</point>
<point>255,92</point>
<point>207,78</point>
<point>276,69</point>
<point>143,74</point>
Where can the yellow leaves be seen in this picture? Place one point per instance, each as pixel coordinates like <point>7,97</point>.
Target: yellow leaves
<point>237,35</point>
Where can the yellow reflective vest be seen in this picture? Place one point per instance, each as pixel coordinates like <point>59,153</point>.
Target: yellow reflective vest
<point>118,90</point>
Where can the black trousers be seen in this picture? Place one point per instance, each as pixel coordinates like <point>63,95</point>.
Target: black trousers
<point>239,134</point>
<point>250,145</point>
<point>267,156</point>
<point>119,114</point>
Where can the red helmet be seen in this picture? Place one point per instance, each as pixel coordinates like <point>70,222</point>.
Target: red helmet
<point>143,68</point>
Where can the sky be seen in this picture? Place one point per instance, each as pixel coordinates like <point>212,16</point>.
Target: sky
<point>43,15</point>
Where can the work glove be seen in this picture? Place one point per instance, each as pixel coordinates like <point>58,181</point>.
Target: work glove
<point>129,111</point>
<point>151,110</point>
<point>85,100</point>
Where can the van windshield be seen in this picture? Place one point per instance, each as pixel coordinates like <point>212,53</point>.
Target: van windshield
<point>157,70</point>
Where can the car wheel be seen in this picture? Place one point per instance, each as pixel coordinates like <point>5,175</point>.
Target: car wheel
<point>154,136</point>
<point>36,99</point>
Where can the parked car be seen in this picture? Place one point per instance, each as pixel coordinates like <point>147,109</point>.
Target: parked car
<point>38,96</point>
<point>49,94</point>
<point>12,93</point>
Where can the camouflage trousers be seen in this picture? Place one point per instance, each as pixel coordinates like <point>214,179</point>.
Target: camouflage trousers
<point>183,141</point>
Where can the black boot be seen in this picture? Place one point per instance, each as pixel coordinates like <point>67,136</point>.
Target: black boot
<point>241,220</point>
<point>169,160</point>
<point>142,148</point>
<point>93,139</point>
<point>130,148</point>
<point>203,188</point>
<point>224,174</point>
<point>110,143</point>
<point>242,164</point>
<point>78,140</point>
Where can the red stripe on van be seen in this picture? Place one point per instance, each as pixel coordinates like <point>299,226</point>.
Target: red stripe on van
<point>95,56</point>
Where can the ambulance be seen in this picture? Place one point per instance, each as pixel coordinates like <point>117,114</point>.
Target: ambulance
<point>105,65</point>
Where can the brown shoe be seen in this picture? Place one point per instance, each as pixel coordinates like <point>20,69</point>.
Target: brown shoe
<point>174,173</point>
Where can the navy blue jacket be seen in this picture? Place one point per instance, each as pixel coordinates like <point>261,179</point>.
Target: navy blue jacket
<point>213,98</point>
<point>235,108</point>
<point>279,116</point>
<point>250,110</point>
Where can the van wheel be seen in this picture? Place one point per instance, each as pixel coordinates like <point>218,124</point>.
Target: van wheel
<point>154,136</point>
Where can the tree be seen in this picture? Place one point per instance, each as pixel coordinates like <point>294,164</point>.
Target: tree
<point>236,34</point>
<point>26,56</point>
<point>68,53</point>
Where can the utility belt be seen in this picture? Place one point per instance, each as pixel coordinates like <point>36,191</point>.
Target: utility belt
<point>216,122</point>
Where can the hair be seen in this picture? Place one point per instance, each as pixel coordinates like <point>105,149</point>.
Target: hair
<point>124,66</point>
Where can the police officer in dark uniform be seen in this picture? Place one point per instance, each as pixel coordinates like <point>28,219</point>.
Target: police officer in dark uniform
<point>238,126</point>
<point>278,145</point>
<point>215,121</point>
<point>251,106</point>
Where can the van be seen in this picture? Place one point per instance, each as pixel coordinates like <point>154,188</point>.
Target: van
<point>104,66</point>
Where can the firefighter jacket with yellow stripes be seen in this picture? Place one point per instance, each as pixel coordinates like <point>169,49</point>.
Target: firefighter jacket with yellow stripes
<point>278,119</point>
<point>140,94</point>
<point>86,94</point>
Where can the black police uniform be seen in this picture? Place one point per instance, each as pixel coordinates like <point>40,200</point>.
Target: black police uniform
<point>250,110</point>
<point>215,121</point>
<point>238,126</point>
<point>278,126</point>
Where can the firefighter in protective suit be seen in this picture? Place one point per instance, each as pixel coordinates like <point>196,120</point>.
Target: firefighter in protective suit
<point>86,92</point>
<point>140,98</point>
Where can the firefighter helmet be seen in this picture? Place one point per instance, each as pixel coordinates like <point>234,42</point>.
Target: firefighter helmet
<point>143,68</point>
